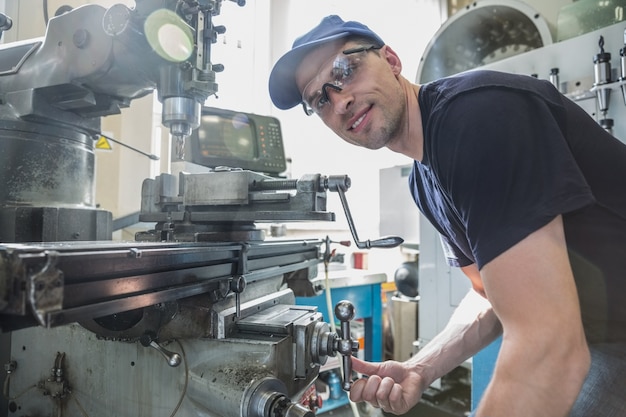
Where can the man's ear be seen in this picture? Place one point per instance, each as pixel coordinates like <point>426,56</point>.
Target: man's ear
<point>393,59</point>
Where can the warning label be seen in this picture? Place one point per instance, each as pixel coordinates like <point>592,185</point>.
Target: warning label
<point>103,144</point>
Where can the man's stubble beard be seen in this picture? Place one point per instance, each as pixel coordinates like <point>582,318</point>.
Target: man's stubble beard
<point>391,128</point>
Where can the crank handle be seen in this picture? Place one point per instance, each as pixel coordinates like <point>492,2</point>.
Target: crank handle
<point>385,242</point>
<point>344,310</point>
<point>148,339</point>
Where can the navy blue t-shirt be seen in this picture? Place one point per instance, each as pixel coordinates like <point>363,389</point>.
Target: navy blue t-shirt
<point>503,155</point>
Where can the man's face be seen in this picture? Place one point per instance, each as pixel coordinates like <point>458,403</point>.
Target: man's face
<point>368,109</point>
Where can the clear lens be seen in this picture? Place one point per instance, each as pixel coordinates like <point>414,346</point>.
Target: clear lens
<point>339,72</point>
<point>335,75</point>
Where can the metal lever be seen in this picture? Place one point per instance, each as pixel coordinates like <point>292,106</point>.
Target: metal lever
<point>5,23</point>
<point>238,282</point>
<point>384,242</point>
<point>237,285</point>
<point>344,311</point>
<point>148,339</point>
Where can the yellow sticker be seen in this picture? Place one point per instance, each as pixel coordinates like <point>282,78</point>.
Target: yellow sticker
<point>103,144</point>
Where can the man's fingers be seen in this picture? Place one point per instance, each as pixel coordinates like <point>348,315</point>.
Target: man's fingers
<point>364,367</point>
<point>378,390</point>
<point>370,390</point>
<point>382,393</point>
<point>356,390</point>
<point>398,405</point>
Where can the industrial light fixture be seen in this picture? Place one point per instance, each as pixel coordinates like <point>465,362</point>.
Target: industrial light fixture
<point>169,35</point>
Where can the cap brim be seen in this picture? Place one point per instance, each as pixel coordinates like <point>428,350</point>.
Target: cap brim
<point>283,89</point>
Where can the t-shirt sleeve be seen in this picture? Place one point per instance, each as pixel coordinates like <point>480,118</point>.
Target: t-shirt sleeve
<point>453,254</point>
<point>503,160</point>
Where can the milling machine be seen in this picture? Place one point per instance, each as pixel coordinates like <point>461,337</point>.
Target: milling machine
<point>197,317</point>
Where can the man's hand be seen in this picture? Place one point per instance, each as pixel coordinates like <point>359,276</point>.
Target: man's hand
<point>394,387</point>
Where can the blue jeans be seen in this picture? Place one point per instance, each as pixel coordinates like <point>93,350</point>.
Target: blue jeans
<point>604,391</point>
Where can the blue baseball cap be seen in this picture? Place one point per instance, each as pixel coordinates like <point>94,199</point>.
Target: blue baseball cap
<point>282,83</point>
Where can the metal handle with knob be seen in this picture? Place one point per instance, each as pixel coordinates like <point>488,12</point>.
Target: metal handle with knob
<point>344,311</point>
<point>383,242</point>
<point>148,339</point>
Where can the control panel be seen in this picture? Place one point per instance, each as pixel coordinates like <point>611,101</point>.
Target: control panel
<point>235,139</point>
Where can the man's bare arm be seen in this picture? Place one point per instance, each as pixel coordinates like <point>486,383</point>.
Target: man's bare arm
<point>472,327</point>
<point>531,288</point>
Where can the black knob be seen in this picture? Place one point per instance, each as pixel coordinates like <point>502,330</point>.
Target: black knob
<point>344,311</point>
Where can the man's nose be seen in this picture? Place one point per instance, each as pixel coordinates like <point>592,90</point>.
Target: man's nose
<point>340,100</point>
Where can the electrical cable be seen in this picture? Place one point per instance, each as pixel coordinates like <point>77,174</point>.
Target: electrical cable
<point>5,387</point>
<point>329,300</point>
<point>184,391</point>
<point>18,395</point>
<point>331,318</point>
<point>180,401</point>
<point>149,155</point>
<point>80,406</point>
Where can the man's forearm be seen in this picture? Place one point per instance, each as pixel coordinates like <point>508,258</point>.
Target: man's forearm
<point>472,327</point>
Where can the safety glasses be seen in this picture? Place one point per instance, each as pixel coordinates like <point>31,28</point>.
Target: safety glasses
<point>335,74</point>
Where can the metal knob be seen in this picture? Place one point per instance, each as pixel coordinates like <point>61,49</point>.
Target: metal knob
<point>148,339</point>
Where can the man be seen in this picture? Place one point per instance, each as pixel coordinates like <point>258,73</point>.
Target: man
<point>529,196</point>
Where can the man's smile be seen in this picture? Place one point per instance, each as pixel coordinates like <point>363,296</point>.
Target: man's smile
<point>359,120</point>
